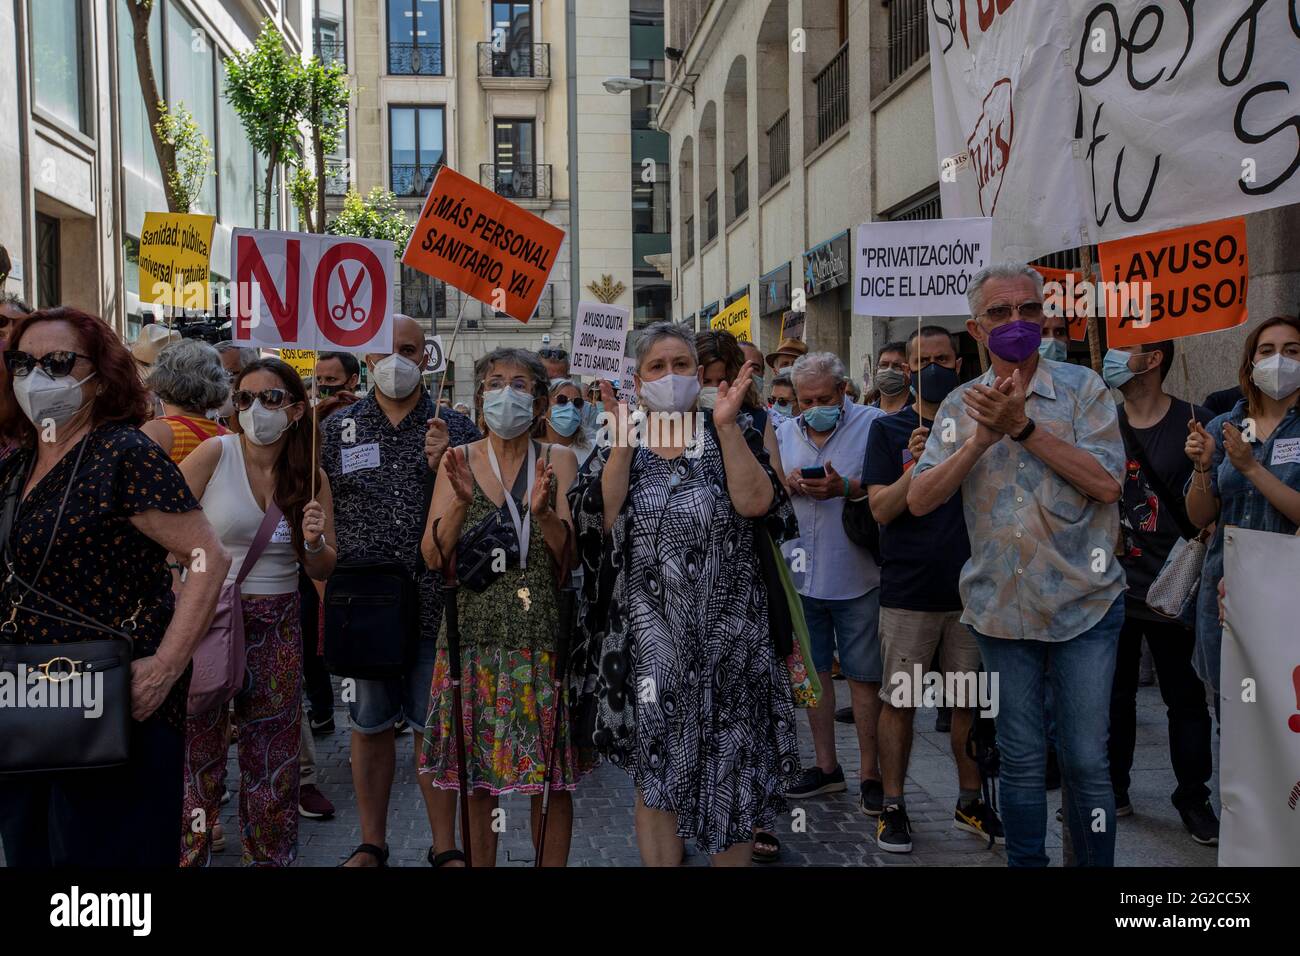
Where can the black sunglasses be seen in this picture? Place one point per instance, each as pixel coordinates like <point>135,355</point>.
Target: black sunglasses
<point>564,400</point>
<point>56,363</point>
<point>557,355</point>
<point>1026,310</point>
<point>271,398</point>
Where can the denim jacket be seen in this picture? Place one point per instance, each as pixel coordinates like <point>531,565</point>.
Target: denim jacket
<point>1243,505</point>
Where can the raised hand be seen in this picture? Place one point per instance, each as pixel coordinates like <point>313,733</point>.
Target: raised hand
<point>730,397</point>
<point>916,443</point>
<point>436,440</point>
<point>1000,407</point>
<point>313,522</point>
<point>540,504</point>
<point>458,473</point>
<point>1238,449</point>
<point>1199,446</point>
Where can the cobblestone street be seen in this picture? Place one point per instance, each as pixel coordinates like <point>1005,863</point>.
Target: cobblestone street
<point>836,834</point>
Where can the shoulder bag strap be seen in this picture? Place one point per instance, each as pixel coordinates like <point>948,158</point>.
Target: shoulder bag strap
<point>260,540</point>
<point>1176,509</point>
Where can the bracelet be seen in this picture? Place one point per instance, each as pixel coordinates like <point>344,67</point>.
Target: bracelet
<point>846,485</point>
<point>310,550</point>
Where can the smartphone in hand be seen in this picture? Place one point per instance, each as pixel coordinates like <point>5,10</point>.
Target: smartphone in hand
<point>816,472</point>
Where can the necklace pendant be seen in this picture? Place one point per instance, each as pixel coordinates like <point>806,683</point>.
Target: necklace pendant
<point>524,598</point>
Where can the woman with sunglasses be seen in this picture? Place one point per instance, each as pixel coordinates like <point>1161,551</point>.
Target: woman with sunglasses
<point>563,424</point>
<point>499,494</point>
<point>267,462</point>
<point>97,507</point>
<point>190,381</point>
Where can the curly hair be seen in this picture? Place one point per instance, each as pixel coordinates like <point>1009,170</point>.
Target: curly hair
<point>120,396</point>
<point>189,374</point>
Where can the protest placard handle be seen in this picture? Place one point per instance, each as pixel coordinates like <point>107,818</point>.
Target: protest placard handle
<point>315,424</point>
<point>1094,338</point>
<point>446,355</point>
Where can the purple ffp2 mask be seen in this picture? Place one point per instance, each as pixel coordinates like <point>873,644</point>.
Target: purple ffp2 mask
<point>1016,340</point>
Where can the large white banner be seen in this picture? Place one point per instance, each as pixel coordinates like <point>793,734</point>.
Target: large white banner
<point>1079,121</point>
<point>918,267</point>
<point>297,289</point>
<point>1259,753</point>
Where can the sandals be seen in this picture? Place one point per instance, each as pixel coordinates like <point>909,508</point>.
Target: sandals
<point>380,853</point>
<point>771,851</point>
<point>445,857</point>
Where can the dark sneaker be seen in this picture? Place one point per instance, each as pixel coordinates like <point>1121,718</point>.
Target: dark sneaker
<point>312,803</point>
<point>894,831</point>
<point>1124,806</point>
<point>815,781</point>
<point>1202,824</point>
<point>872,801</point>
<point>844,715</point>
<point>980,819</point>
<point>322,727</point>
<point>943,721</point>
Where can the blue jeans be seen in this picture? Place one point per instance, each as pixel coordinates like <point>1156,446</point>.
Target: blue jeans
<point>1079,674</point>
<point>850,627</point>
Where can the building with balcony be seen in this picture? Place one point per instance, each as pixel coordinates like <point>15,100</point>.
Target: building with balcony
<point>78,160</point>
<point>809,117</point>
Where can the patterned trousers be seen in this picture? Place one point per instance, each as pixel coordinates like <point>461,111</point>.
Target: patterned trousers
<point>269,713</point>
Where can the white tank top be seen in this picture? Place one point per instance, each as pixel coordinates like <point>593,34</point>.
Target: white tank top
<point>234,514</point>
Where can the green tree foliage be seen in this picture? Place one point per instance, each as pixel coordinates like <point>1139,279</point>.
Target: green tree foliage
<point>377,216</point>
<point>192,154</point>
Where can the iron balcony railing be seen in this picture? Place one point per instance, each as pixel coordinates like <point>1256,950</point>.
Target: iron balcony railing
<point>778,149</point>
<point>516,182</point>
<point>710,216</point>
<point>688,228</point>
<point>832,85</point>
<point>740,186</point>
<point>415,59</point>
<point>515,60</point>
<point>909,37</point>
<point>331,52</point>
<point>412,179</point>
<point>338,177</point>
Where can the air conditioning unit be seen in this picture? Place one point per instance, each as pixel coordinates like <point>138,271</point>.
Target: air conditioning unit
<point>471,324</point>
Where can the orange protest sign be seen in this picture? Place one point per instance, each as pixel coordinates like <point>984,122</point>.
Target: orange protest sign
<point>1181,282</point>
<point>483,244</point>
<point>1064,294</point>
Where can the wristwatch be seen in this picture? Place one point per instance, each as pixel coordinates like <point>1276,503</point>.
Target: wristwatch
<point>1024,432</point>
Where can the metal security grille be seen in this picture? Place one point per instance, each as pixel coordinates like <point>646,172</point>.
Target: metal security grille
<point>832,85</point>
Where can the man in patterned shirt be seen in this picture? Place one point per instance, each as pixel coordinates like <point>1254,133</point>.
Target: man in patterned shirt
<point>379,454</point>
<point>1035,448</point>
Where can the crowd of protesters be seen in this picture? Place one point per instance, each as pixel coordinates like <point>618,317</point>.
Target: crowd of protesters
<point>660,584</point>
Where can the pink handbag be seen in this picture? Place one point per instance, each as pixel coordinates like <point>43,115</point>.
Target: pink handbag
<point>219,660</point>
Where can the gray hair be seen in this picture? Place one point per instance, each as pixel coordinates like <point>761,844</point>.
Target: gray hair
<point>525,358</point>
<point>817,364</point>
<point>189,374</point>
<point>999,270</point>
<point>247,356</point>
<point>657,332</point>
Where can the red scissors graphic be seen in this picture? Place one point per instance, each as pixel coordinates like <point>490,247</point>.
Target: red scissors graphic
<point>349,297</point>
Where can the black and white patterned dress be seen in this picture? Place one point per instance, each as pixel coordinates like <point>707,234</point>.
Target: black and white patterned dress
<point>691,696</point>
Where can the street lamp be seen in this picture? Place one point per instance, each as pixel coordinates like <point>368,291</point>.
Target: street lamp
<point>626,84</point>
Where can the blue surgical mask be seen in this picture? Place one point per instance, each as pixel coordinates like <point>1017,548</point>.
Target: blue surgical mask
<point>507,411</point>
<point>1053,349</point>
<point>1114,368</point>
<point>782,408</point>
<point>822,418</point>
<point>565,419</point>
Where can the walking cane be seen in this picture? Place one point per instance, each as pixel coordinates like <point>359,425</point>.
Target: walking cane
<point>450,588</point>
<point>558,695</point>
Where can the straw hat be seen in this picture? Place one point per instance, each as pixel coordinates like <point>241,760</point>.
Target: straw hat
<point>152,340</point>
<point>791,347</point>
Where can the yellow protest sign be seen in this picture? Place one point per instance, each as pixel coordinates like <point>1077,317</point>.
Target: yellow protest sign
<point>302,361</point>
<point>175,251</point>
<point>735,319</point>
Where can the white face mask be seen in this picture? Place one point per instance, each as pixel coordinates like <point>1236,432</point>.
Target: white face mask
<point>670,393</point>
<point>708,397</point>
<point>43,398</point>
<point>507,411</point>
<point>396,376</point>
<point>261,425</point>
<point>1277,376</point>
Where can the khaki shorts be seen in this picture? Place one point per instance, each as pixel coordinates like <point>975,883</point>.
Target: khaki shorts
<point>909,638</point>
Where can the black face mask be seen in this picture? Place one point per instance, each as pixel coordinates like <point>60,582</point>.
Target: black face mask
<point>328,391</point>
<point>935,382</point>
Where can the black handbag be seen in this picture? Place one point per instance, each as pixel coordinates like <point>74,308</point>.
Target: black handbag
<point>860,526</point>
<point>71,708</point>
<point>486,550</point>
<point>372,620</point>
